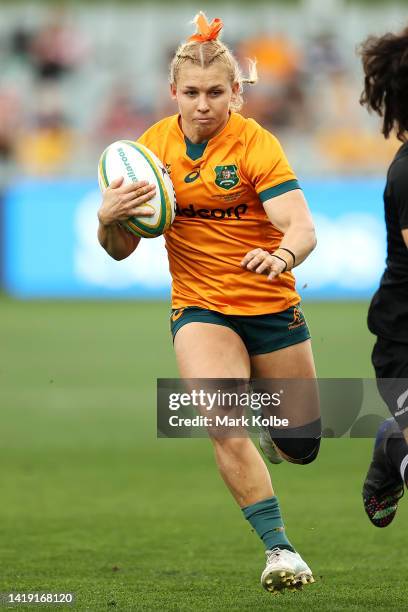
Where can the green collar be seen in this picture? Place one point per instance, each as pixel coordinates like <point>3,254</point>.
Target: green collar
<point>195,151</point>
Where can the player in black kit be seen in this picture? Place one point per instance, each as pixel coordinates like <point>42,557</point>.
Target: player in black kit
<point>385,63</point>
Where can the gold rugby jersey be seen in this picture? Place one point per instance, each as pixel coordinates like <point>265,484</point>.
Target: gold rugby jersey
<point>220,187</point>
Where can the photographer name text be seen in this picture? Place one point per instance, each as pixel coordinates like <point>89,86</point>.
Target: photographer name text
<point>227,421</point>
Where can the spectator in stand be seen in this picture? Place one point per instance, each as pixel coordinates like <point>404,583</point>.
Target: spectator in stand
<point>48,146</point>
<point>10,122</point>
<point>122,118</point>
<point>57,48</point>
<point>20,42</point>
<point>280,101</point>
<point>276,56</point>
<point>323,56</point>
<point>343,140</point>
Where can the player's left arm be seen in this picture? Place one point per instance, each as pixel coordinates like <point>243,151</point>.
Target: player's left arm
<point>398,179</point>
<point>290,214</point>
<point>404,233</point>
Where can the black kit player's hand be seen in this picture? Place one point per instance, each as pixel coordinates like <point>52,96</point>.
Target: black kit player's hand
<point>262,262</point>
<point>120,202</point>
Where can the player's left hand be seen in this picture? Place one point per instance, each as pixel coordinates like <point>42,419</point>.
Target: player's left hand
<point>262,262</point>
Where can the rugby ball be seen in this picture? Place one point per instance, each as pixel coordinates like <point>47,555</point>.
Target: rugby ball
<point>136,162</point>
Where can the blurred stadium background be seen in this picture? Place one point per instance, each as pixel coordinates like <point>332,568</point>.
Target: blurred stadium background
<point>92,502</point>
<point>78,76</point>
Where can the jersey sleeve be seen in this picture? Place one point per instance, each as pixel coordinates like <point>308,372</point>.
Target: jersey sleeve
<point>399,185</point>
<point>266,166</point>
<point>155,136</point>
<point>145,138</point>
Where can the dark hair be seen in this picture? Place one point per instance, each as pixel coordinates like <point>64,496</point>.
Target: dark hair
<point>385,64</point>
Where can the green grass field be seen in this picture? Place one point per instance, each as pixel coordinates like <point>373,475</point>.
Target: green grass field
<point>93,503</point>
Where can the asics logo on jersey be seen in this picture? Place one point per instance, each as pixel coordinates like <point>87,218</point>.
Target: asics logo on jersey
<point>233,212</point>
<point>192,176</point>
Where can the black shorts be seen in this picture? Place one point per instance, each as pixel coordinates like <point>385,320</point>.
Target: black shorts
<point>390,361</point>
<point>260,333</point>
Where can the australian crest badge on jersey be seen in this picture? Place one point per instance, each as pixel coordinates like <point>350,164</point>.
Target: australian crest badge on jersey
<point>226,177</point>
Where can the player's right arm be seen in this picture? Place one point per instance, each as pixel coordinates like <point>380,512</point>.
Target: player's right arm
<point>118,204</point>
<point>398,179</point>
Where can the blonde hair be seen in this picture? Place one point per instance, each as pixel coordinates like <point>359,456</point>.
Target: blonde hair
<point>204,49</point>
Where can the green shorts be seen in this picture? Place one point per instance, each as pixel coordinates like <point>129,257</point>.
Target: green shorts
<point>260,333</point>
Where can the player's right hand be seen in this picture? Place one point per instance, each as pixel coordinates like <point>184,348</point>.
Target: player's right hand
<point>120,202</point>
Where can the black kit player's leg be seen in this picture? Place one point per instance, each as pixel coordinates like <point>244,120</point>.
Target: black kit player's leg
<point>390,361</point>
<point>384,484</point>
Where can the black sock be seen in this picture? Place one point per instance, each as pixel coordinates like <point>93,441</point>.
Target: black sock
<point>397,451</point>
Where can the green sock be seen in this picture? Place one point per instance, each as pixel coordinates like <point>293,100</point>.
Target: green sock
<point>265,518</point>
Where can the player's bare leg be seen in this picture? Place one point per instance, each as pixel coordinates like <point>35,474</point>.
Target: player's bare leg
<point>214,351</point>
<point>295,361</point>
<point>292,362</point>
<point>204,350</point>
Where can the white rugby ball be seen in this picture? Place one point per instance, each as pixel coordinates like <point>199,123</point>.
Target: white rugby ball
<point>136,162</point>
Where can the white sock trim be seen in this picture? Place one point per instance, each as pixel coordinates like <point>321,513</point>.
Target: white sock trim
<point>403,466</point>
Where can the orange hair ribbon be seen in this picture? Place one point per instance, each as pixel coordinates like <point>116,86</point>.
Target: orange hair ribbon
<point>206,31</point>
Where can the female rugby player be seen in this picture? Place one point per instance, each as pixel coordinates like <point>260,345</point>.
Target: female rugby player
<point>242,224</point>
<point>385,63</point>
